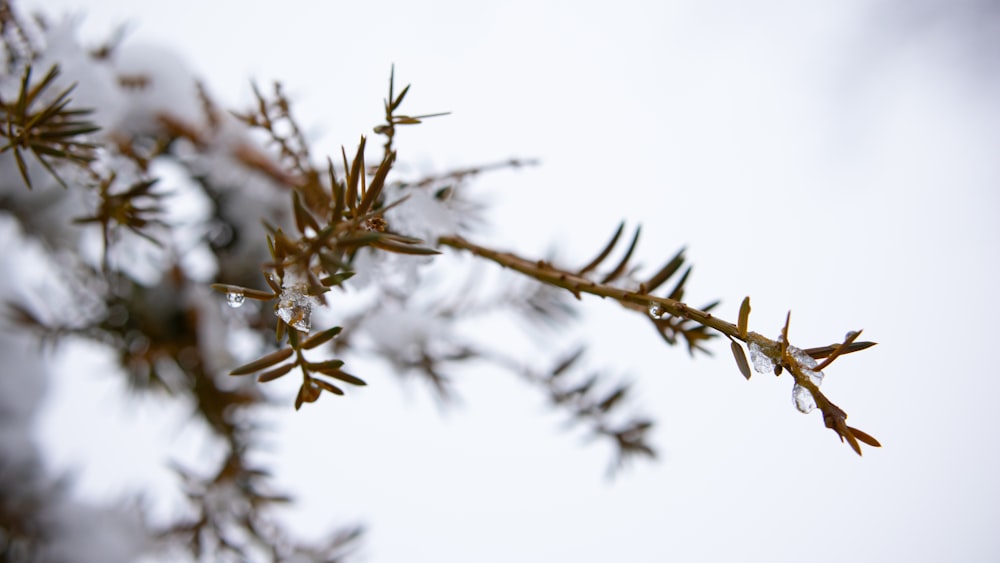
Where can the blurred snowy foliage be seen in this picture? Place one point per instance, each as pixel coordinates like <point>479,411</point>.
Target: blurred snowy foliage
<point>172,191</point>
<point>126,191</point>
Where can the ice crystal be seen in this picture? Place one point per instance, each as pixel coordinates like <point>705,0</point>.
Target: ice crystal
<point>803,398</point>
<point>806,362</point>
<point>235,299</point>
<point>295,307</point>
<point>761,362</point>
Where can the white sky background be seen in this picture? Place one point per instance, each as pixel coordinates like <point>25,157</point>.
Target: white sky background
<point>810,155</point>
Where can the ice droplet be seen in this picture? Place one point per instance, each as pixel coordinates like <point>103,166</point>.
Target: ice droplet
<point>803,398</point>
<point>761,362</point>
<point>806,362</point>
<point>655,310</point>
<point>235,299</point>
<point>295,307</point>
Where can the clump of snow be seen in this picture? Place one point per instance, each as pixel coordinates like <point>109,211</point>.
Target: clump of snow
<point>401,335</point>
<point>428,214</point>
<point>96,83</point>
<point>154,81</point>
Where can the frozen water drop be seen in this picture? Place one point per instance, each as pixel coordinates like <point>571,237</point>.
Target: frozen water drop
<point>806,362</point>
<point>295,307</point>
<point>235,299</point>
<point>655,310</point>
<point>803,398</point>
<point>761,362</point>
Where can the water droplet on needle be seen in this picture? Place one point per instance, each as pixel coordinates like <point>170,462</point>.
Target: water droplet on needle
<point>235,299</point>
<point>655,310</point>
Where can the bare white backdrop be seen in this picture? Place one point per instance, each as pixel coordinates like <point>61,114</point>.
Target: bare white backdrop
<point>833,158</point>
